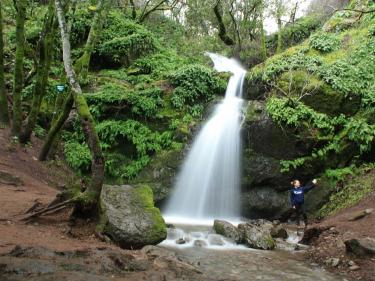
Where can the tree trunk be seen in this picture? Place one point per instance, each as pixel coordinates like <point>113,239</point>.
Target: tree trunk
<point>45,48</point>
<point>55,128</point>
<point>222,30</point>
<point>20,6</point>
<point>4,114</point>
<point>279,36</point>
<point>81,66</point>
<point>263,40</point>
<point>91,195</point>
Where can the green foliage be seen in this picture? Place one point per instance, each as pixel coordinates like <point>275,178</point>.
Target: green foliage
<point>356,184</point>
<point>122,40</point>
<point>324,42</point>
<point>194,84</point>
<point>296,32</point>
<point>158,64</point>
<point>144,102</point>
<point>333,134</point>
<point>77,156</point>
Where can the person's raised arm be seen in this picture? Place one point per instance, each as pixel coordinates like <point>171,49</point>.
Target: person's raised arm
<point>310,185</point>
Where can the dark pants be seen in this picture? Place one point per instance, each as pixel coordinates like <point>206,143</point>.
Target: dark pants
<point>300,211</point>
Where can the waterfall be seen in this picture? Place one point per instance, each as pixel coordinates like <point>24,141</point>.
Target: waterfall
<point>208,184</point>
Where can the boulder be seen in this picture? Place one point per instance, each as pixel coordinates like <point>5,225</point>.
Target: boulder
<point>265,202</point>
<point>256,236</point>
<point>361,247</point>
<point>227,230</point>
<point>129,217</point>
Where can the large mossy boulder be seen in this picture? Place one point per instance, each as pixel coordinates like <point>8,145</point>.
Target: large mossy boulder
<point>257,236</point>
<point>129,217</point>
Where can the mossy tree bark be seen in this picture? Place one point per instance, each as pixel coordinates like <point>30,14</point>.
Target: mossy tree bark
<point>222,29</point>
<point>20,6</point>
<point>56,127</point>
<point>82,64</point>
<point>4,114</point>
<point>45,47</point>
<point>90,197</point>
<point>81,67</point>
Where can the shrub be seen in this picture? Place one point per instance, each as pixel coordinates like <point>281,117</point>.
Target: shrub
<point>324,42</point>
<point>77,156</point>
<point>194,84</point>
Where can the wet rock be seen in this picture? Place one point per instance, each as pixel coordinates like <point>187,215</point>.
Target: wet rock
<point>130,218</point>
<point>215,240</point>
<point>279,232</point>
<point>256,236</point>
<point>284,245</point>
<point>200,243</point>
<point>160,173</point>
<point>265,202</point>
<point>9,179</point>
<point>361,247</point>
<point>360,214</point>
<point>180,241</point>
<point>227,230</point>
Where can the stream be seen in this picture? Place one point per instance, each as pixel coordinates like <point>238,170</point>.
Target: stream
<point>222,259</point>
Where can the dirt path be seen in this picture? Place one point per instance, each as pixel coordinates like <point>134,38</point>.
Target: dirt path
<point>41,182</point>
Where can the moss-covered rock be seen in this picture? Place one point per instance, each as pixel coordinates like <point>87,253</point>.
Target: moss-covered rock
<point>317,94</point>
<point>257,236</point>
<point>129,217</point>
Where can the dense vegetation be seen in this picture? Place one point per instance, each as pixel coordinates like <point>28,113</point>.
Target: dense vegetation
<point>323,90</point>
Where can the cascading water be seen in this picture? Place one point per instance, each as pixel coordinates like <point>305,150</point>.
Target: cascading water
<point>207,187</point>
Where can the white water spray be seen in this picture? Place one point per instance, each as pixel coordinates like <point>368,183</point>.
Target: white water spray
<point>208,185</point>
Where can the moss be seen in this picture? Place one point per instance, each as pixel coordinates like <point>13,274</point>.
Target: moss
<point>318,95</point>
<point>354,189</point>
<point>144,196</point>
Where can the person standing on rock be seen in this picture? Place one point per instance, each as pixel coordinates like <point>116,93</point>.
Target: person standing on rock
<point>297,198</point>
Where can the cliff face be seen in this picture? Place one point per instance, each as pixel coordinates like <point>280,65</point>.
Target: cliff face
<point>311,113</point>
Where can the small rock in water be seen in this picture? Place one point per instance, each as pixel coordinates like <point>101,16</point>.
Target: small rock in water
<point>200,243</point>
<point>351,263</point>
<point>180,241</point>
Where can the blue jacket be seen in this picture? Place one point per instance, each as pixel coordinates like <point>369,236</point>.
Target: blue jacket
<point>297,195</point>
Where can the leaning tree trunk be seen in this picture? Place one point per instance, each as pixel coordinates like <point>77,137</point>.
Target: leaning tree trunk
<point>81,66</point>
<point>45,48</point>
<point>20,6</point>
<point>4,114</point>
<point>91,194</point>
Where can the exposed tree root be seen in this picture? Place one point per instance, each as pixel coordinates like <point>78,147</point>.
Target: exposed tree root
<point>51,209</point>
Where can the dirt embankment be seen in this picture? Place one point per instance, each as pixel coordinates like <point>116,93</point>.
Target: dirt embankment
<point>328,247</point>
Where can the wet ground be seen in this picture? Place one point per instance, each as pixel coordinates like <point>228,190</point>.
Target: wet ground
<point>254,265</point>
